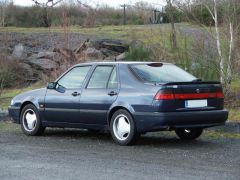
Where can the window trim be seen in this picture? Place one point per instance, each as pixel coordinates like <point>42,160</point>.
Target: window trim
<point>103,65</point>
<point>64,74</point>
<point>114,67</point>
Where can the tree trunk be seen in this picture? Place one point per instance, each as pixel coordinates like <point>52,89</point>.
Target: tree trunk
<point>221,59</point>
<point>229,68</point>
<point>173,37</point>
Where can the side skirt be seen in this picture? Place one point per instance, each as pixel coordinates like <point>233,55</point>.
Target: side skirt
<point>74,125</point>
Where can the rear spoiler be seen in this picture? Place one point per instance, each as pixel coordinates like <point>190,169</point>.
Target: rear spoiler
<point>195,82</point>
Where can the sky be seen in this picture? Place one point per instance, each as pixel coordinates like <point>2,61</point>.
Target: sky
<point>113,3</point>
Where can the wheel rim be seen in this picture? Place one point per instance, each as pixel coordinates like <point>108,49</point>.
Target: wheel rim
<point>29,120</point>
<point>121,127</point>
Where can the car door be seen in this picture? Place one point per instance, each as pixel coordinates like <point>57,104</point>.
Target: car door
<point>62,103</point>
<point>99,94</point>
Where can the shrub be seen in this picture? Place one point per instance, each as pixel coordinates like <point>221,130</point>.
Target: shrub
<point>138,54</point>
<point>11,74</point>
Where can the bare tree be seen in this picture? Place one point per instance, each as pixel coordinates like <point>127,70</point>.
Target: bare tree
<point>171,18</point>
<point>3,7</point>
<point>225,62</point>
<point>224,34</point>
<point>90,20</point>
<point>46,5</point>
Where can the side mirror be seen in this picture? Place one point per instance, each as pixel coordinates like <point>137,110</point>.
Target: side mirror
<point>51,85</point>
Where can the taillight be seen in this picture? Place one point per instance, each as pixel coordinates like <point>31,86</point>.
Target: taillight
<point>164,95</point>
<point>220,94</point>
<point>169,95</point>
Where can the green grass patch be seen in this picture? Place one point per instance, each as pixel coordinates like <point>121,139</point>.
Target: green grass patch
<point>234,115</point>
<point>8,94</point>
<point>220,134</point>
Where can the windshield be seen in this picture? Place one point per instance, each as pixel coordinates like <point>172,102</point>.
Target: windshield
<point>162,73</point>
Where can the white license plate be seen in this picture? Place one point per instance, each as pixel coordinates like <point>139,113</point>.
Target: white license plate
<point>196,103</point>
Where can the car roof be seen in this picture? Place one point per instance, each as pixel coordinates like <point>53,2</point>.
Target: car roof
<point>118,62</point>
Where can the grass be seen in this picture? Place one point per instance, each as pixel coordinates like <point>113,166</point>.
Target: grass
<point>8,94</point>
<point>150,34</point>
<point>234,112</point>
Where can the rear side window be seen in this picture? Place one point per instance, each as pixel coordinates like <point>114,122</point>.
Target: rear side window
<point>113,82</point>
<point>74,78</point>
<point>102,77</point>
<point>161,73</point>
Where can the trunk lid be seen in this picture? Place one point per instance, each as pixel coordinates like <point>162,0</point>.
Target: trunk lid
<point>189,96</point>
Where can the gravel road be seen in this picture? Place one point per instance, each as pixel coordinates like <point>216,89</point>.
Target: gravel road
<point>76,154</point>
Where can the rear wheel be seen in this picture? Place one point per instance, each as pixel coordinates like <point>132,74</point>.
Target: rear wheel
<point>123,129</point>
<point>30,121</point>
<point>189,133</point>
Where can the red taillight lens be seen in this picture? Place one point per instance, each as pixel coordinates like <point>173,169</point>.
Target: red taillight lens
<point>160,96</point>
<point>220,94</point>
<point>164,95</point>
<point>168,95</point>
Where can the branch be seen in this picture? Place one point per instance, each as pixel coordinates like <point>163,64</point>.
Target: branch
<point>47,3</point>
<point>84,5</point>
<point>209,10</point>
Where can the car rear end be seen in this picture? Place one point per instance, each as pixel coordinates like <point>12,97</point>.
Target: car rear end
<point>181,100</point>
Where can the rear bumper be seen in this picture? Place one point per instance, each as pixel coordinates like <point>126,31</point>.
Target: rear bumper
<point>14,113</point>
<point>146,122</point>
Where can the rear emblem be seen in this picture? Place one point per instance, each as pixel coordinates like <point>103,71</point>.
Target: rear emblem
<point>197,90</point>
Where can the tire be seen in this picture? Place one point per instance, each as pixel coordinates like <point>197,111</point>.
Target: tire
<point>127,133</point>
<point>30,121</point>
<point>189,134</point>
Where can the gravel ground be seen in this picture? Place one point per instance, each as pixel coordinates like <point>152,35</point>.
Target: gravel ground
<point>76,154</point>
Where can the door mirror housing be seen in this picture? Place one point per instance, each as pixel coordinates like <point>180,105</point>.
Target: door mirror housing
<point>52,85</point>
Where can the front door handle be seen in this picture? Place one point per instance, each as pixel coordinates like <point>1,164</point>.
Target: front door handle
<point>112,93</point>
<point>76,94</point>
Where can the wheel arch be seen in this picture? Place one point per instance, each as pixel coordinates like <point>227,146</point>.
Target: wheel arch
<point>24,104</point>
<point>116,108</point>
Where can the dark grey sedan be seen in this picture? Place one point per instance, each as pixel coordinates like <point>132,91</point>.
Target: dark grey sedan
<point>126,98</point>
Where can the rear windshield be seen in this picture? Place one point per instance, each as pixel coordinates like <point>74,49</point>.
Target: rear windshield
<point>161,73</point>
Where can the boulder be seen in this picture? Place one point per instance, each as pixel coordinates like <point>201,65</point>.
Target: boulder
<point>67,53</point>
<point>113,45</point>
<point>43,54</point>
<point>27,68</point>
<point>19,52</point>
<point>121,57</point>
<point>108,53</point>
<point>46,65</point>
<point>92,54</point>
<point>82,47</point>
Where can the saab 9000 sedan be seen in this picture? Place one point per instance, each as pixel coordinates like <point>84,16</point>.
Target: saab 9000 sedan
<point>126,98</point>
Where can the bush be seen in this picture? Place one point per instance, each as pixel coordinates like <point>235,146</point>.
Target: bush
<point>11,74</point>
<point>138,54</point>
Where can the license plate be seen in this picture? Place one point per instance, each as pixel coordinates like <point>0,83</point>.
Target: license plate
<point>196,103</point>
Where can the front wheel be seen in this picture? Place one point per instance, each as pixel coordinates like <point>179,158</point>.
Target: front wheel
<point>30,121</point>
<point>189,133</point>
<point>123,129</point>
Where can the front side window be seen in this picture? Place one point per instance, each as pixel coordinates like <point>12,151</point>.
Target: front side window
<point>102,77</point>
<point>161,73</point>
<point>74,78</point>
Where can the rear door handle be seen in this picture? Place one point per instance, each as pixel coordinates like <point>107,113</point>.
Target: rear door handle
<point>76,94</point>
<point>112,93</point>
